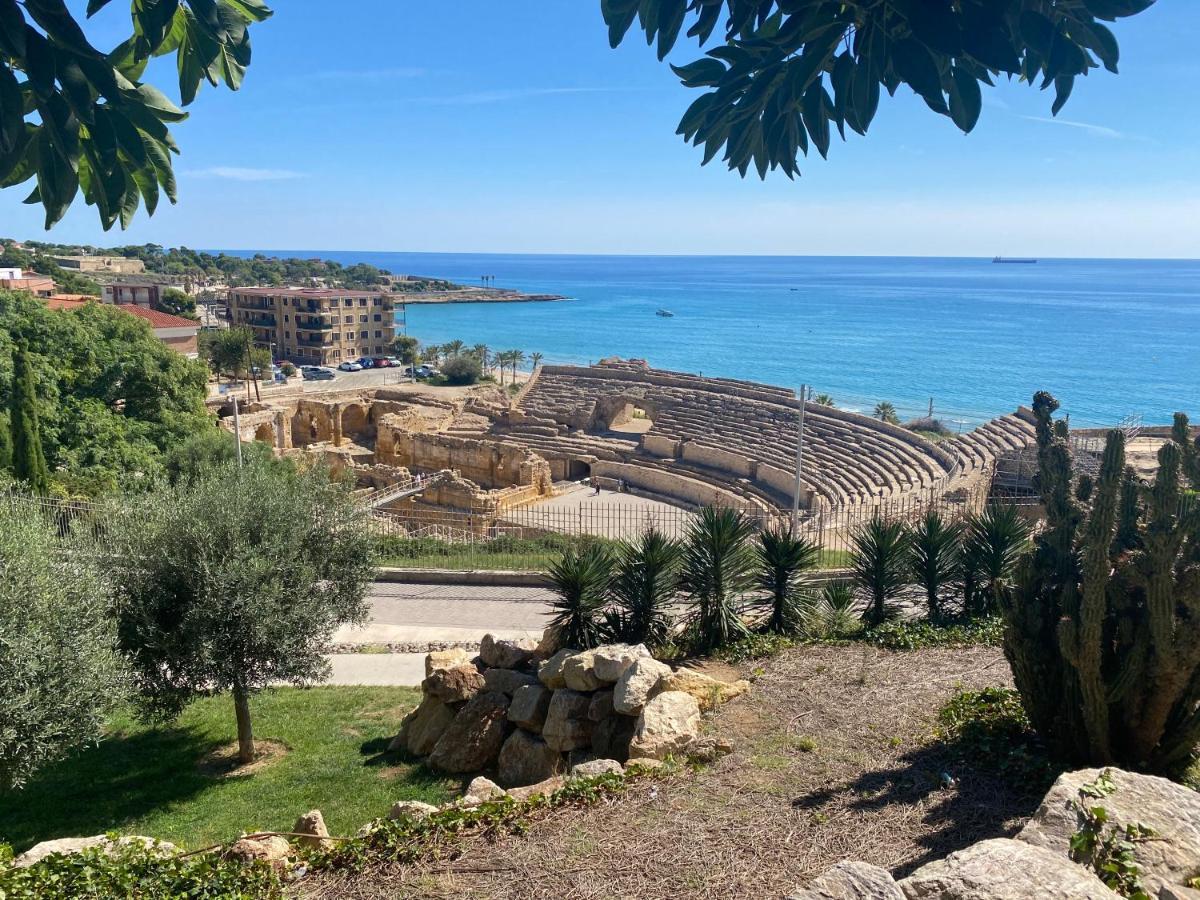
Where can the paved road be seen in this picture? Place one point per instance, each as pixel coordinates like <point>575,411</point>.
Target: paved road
<point>413,613</point>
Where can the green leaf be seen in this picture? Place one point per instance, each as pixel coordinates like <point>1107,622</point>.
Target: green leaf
<point>39,61</point>
<point>1062,89</point>
<point>1100,40</point>
<point>864,96</point>
<point>966,100</point>
<point>618,15</point>
<point>12,29</point>
<point>12,112</point>
<point>670,20</point>
<point>58,181</point>
<point>94,6</point>
<point>935,25</point>
<point>815,110</point>
<point>151,20</point>
<point>154,100</point>
<point>1116,9</point>
<point>701,73</point>
<point>250,10</point>
<point>58,23</point>
<point>917,68</point>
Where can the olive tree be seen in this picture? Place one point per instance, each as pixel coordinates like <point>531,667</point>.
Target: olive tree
<point>235,580</point>
<point>60,674</point>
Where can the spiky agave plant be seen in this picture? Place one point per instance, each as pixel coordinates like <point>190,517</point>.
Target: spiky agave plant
<point>717,568</point>
<point>581,579</point>
<point>783,558</point>
<point>644,587</point>
<point>833,615</point>
<point>993,544</point>
<point>935,557</point>
<point>879,561</point>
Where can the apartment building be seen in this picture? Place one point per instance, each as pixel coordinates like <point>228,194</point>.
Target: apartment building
<point>315,326</point>
<point>121,293</point>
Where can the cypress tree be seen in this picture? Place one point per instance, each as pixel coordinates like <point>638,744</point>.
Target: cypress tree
<point>28,460</point>
<point>5,443</point>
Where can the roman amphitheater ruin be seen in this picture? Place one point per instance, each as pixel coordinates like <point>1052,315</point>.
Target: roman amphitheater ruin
<point>680,439</point>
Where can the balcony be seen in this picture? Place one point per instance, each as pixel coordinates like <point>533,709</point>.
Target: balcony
<point>313,323</point>
<point>261,321</point>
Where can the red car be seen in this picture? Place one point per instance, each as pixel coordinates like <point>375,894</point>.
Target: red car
<point>381,362</point>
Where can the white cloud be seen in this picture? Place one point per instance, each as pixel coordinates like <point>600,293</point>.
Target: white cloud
<point>1097,130</point>
<point>504,95</point>
<point>240,173</point>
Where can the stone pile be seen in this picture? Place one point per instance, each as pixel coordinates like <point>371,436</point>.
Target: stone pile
<point>1038,862</point>
<point>532,712</point>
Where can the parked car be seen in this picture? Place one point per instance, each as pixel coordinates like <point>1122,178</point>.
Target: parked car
<point>394,361</point>
<point>366,362</point>
<point>381,362</point>
<point>316,373</point>
<point>427,371</point>
<point>350,366</point>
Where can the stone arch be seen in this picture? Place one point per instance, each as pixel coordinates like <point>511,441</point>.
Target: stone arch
<point>625,412</point>
<point>356,423</point>
<point>265,433</point>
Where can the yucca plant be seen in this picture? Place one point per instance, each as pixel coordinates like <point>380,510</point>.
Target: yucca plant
<point>581,579</point>
<point>993,543</point>
<point>717,569</point>
<point>936,559</point>
<point>783,558</point>
<point>880,563</point>
<point>833,615</point>
<point>645,586</point>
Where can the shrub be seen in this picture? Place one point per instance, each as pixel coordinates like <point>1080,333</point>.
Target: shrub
<point>718,568</point>
<point>462,370</point>
<point>59,672</point>
<point>936,559</point>
<point>832,617</point>
<point>581,579</point>
<point>879,558</point>
<point>1103,628</point>
<point>989,729</point>
<point>993,544</point>
<point>919,635</point>
<point>645,585</point>
<point>783,558</point>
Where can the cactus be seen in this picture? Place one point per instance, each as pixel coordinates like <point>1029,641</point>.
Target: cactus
<point>1103,628</point>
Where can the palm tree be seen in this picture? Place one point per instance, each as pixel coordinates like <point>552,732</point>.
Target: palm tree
<point>433,353</point>
<point>936,559</point>
<point>482,353</point>
<point>515,358</point>
<point>646,582</point>
<point>717,568</point>
<point>500,357</point>
<point>783,558</point>
<point>454,348</point>
<point>885,412</point>
<point>993,543</point>
<point>823,400</point>
<point>879,561</point>
<point>581,580</point>
<point>535,359</point>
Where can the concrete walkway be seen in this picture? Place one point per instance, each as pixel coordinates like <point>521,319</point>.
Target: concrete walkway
<point>428,613</point>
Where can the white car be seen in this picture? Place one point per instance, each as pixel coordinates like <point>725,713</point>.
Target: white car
<point>349,366</point>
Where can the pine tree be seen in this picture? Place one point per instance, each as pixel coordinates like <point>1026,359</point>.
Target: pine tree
<point>28,460</point>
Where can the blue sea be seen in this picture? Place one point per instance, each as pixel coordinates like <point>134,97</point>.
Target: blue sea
<point>1110,338</point>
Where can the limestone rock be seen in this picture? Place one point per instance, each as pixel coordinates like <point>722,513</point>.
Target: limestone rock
<point>594,767</point>
<point>851,880</point>
<point>708,749</point>
<point>454,684</point>
<point>546,788</point>
<point>567,726</point>
<point>1172,858</point>
<point>507,681</point>
<point>550,643</point>
<point>446,659</point>
<point>474,738</point>
<point>483,788</point>
<point>422,727</point>
<point>274,850</point>
<point>550,672</point>
<point>601,706</point>
<point>645,763</point>
<point>529,706</point>
<point>579,671</point>
<point>506,654</point>
<point>1004,869</point>
<point>668,723</point>
<point>709,692</point>
<point>312,824</point>
<point>526,759</point>
<point>411,809</point>
<point>611,737</point>
<point>613,659</point>
<point>67,846</point>
<point>635,684</point>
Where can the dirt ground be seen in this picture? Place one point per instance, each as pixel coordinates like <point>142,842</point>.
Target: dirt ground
<point>835,758</point>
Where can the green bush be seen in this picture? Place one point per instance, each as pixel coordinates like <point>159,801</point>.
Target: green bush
<point>922,634</point>
<point>990,729</point>
<point>462,370</point>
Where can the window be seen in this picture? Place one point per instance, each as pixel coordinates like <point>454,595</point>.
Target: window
<point>364,335</point>
<point>347,302</point>
<point>378,317</point>
<point>375,301</point>
<point>348,319</point>
<point>287,334</point>
<point>378,334</point>
<point>362,301</point>
<point>362,318</point>
<point>286,317</point>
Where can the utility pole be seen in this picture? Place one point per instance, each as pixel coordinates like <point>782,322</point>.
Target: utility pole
<point>799,461</point>
<point>237,431</point>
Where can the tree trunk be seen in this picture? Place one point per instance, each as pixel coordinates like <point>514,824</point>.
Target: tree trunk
<point>241,706</point>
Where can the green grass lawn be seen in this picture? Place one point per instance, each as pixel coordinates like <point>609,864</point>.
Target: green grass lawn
<point>147,780</point>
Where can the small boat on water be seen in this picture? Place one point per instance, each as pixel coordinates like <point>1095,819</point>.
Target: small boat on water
<point>1013,259</point>
<point>665,313</point>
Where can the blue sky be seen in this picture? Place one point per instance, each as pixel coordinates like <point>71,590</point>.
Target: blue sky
<point>512,127</point>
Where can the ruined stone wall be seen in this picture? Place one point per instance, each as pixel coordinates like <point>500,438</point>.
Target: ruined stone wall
<point>489,464</point>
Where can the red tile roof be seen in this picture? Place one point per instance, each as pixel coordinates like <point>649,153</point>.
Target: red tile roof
<point>158,319</point>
